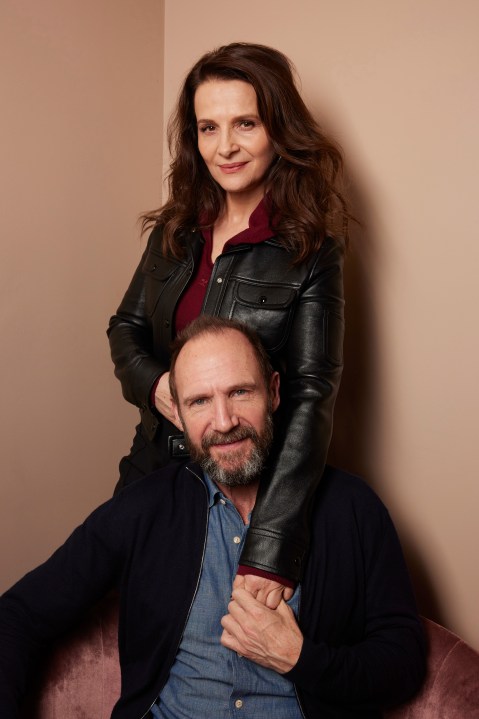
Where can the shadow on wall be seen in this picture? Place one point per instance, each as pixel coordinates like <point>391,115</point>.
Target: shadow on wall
<point>427,598</point>
<point>358,407</point>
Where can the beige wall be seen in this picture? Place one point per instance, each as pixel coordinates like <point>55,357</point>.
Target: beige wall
<point>397,83</point>
<point>80,158</point>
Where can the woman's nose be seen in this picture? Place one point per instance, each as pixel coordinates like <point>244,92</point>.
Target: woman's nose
<point>227,144</point>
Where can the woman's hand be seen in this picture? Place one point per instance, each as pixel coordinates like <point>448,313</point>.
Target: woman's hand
<point>163,401</point>
<point>266,591</point>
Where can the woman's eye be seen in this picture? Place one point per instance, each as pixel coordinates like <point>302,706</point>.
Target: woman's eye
<point>206,128</point>
<point>247,124</point>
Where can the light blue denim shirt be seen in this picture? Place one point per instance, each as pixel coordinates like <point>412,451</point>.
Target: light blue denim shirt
<point>206,679</point>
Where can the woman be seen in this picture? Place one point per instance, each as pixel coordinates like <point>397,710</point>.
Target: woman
<point>253,229</point>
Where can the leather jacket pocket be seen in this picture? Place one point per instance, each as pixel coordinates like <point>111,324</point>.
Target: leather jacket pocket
<point>267,308</point>
<point>158,271</point>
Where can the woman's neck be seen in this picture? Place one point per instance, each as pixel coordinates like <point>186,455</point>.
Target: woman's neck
<point>233,219</point>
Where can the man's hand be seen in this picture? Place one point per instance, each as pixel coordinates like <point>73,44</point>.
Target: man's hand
<point>266,591</point>
<point>269,637</point>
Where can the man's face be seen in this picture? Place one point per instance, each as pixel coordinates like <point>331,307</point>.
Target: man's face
<point>225,407</point>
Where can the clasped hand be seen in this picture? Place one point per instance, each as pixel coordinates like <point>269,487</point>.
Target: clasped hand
<point>269,637</point>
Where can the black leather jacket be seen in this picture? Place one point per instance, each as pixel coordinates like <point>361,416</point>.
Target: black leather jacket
<point>298,314</point>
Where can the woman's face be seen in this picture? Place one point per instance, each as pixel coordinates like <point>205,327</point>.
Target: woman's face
<point>232,139</point>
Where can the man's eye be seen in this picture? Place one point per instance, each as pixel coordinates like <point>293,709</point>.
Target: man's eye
<point>240,392</point>
<point>198,402</point>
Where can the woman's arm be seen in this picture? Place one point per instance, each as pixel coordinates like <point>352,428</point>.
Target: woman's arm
<point>278,538</point>
<point>131,340</point>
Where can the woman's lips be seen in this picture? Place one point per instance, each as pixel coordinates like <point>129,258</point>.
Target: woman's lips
<point>233,167</point>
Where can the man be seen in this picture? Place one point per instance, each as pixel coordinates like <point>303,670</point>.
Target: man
<point>347,642</point>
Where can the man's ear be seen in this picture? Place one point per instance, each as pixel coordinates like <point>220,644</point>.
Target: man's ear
<point>274,391</point>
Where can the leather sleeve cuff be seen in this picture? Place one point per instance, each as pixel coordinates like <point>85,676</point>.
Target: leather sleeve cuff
<point>273,553</point>
<point>243,569</point>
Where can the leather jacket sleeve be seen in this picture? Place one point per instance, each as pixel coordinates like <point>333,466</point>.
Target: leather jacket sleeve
<point>141,331</point>
<point>131,342</point>
<point>137,358</point>
<point>278,538</point>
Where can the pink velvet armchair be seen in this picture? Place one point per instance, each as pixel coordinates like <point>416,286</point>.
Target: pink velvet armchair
<point>81,679</point>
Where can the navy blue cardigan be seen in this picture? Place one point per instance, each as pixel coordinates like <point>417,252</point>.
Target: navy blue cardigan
<point>363,646</point>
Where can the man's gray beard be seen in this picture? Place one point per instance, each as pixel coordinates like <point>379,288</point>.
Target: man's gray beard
<point>244,474</point>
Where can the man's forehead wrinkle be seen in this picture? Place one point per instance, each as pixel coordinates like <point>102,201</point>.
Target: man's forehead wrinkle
<point>225,389</point>
<point>216,362</point>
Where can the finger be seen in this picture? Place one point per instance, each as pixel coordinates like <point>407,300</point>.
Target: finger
<point>252,583</point>
<point>262,596</point>
<point>239,581</point>
<point>227,639</point>
<point>231,624</point>
<point>231,636</point>
<point>244,598</point>
<point>244,607</point>
<point>274,598</point>
<point>236,612</point>
<point>241,621</point>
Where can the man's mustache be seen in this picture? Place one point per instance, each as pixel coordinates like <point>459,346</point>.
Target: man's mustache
<point>234,435</point>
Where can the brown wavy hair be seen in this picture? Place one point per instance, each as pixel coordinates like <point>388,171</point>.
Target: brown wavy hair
<point>304,183</point>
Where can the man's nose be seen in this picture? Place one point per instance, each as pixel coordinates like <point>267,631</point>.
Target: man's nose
<point>224,416</point>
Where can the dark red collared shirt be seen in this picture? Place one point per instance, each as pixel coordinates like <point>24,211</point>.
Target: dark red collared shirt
<point>191,302</point>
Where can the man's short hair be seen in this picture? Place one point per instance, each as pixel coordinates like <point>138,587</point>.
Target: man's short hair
<point>206,324</point>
